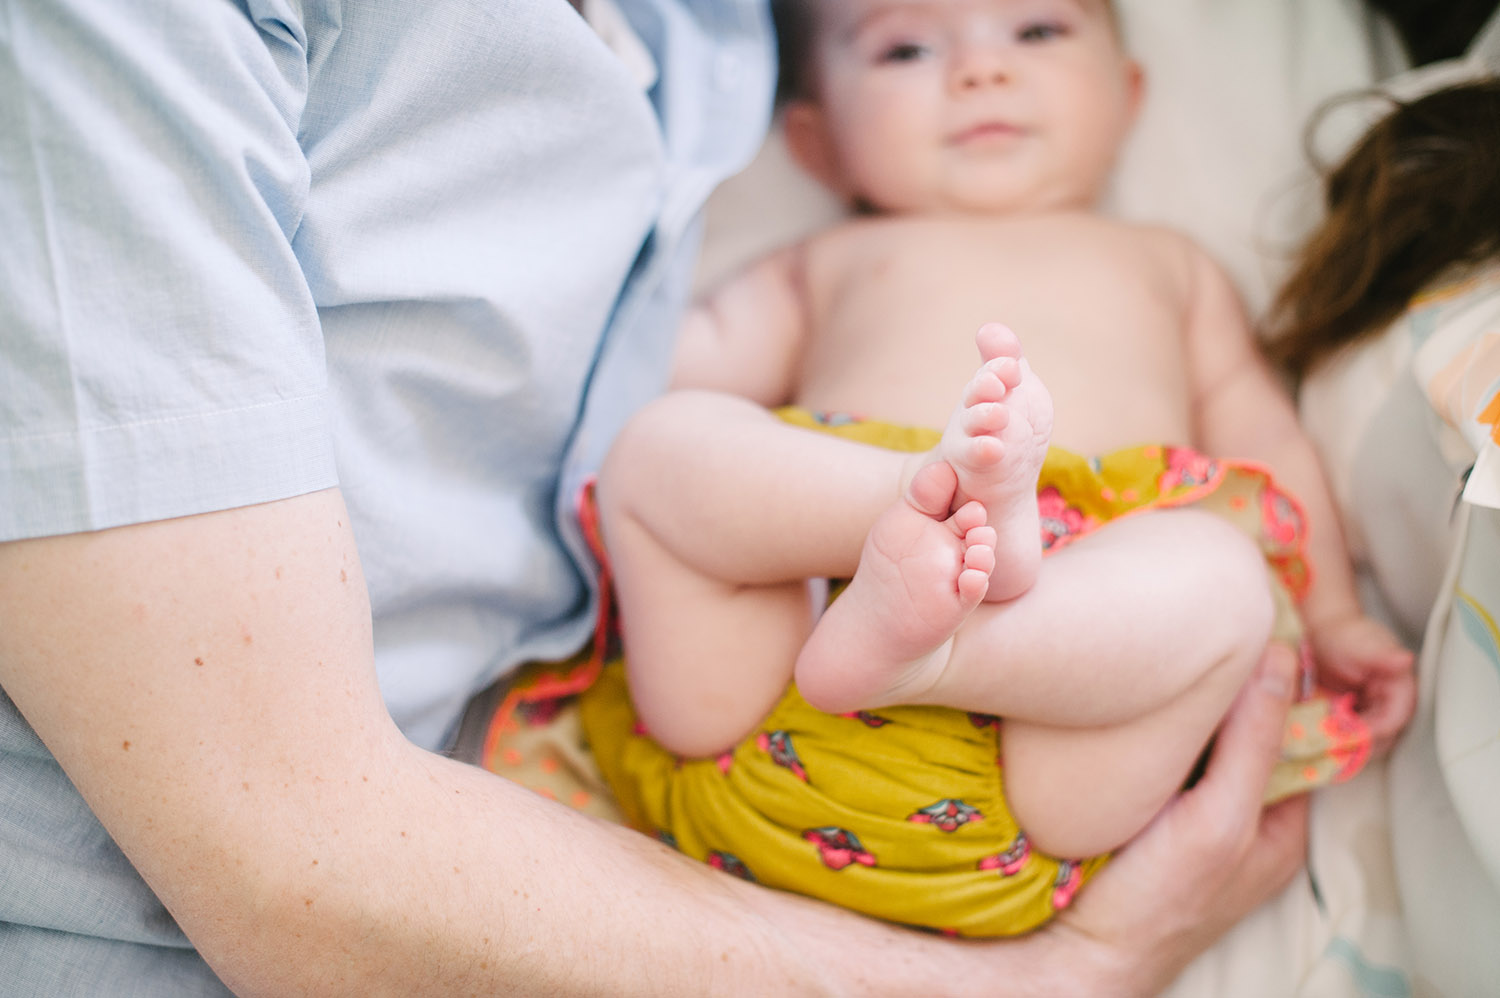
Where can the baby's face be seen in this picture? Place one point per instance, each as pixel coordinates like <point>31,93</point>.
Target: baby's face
<point>972,105</point>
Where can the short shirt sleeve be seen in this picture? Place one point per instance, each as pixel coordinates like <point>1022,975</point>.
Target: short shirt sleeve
<point>161,351</point>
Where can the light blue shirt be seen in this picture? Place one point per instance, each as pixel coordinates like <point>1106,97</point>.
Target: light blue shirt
<point>253,250</point>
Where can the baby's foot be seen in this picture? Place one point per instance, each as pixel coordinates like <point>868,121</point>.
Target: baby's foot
<point>922,571</point>
<point>996,441</point>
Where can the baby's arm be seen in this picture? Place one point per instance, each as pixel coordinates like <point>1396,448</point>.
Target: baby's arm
<point>746,337</point>
<point>1241,410</point>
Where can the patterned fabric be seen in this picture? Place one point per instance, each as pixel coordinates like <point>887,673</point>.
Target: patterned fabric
<point>849,809</point>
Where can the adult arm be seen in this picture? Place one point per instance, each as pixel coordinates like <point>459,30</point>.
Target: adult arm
<point>207,684</point>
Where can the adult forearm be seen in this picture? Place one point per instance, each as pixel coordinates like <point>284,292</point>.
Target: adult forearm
<point>208,684</point>
<point>436,878</point>
<point>494,890</point>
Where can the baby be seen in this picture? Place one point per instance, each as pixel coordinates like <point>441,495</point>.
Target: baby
<point>973,139</point>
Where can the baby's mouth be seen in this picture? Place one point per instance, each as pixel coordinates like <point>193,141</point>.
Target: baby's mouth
<point>986,133</point>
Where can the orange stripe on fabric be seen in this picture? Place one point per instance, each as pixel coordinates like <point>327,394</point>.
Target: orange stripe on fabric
<point>1490,415</point>
<point>552,685</point>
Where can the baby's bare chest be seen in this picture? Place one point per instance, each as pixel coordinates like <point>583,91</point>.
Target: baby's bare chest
<point>894,322</point>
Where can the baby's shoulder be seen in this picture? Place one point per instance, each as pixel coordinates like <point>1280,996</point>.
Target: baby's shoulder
<point>853,245</point>
<point>1171,251</point>
<point>1149,236</point>
<point>855,232</point>
<point>1077,235</point>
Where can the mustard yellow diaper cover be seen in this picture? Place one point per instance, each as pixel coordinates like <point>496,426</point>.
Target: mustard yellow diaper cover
<point>900,813</point>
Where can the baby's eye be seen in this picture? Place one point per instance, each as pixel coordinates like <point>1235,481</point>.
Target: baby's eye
<point>1043,31</point>
<point>903,52</point>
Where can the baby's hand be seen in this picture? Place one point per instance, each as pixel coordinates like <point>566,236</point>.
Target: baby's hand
<point>1357,653</point>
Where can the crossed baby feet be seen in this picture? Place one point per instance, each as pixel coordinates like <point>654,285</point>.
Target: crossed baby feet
<point>965,530</point>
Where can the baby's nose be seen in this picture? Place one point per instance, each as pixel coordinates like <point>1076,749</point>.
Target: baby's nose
<point>980,62</point>
<point>976,77</point>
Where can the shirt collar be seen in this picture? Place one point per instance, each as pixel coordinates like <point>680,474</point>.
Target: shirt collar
<point>609,22</point>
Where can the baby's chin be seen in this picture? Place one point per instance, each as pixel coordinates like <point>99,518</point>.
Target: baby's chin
<point>976,201</point>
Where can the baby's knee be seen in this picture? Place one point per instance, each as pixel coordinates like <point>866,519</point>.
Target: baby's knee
<point>646,431</point>
<point>641,451</point>
<point>1237,583</point>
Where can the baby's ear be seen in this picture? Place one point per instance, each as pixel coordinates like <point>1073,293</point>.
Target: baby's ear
<point>808,141</point>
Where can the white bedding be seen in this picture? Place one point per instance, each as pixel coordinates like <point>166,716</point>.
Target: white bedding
<point>1219,153</point>
<point>1399,422</point>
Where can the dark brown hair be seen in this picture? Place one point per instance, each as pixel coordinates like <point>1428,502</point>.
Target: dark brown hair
<point>1418,194</point>
<point>796,32</point>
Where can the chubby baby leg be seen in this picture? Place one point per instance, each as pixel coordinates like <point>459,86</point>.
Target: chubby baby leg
<point>707,653</point>
<point>1086,791</point>
<point>1118,624</point>
<point>1085,781</point>
<point>1111,672</point>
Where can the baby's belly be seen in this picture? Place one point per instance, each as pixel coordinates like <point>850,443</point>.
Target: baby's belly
<point>1097,309</point>
<point>1099,404</point>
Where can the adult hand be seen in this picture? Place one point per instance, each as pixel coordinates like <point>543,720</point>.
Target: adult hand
<point>1210,857</point>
